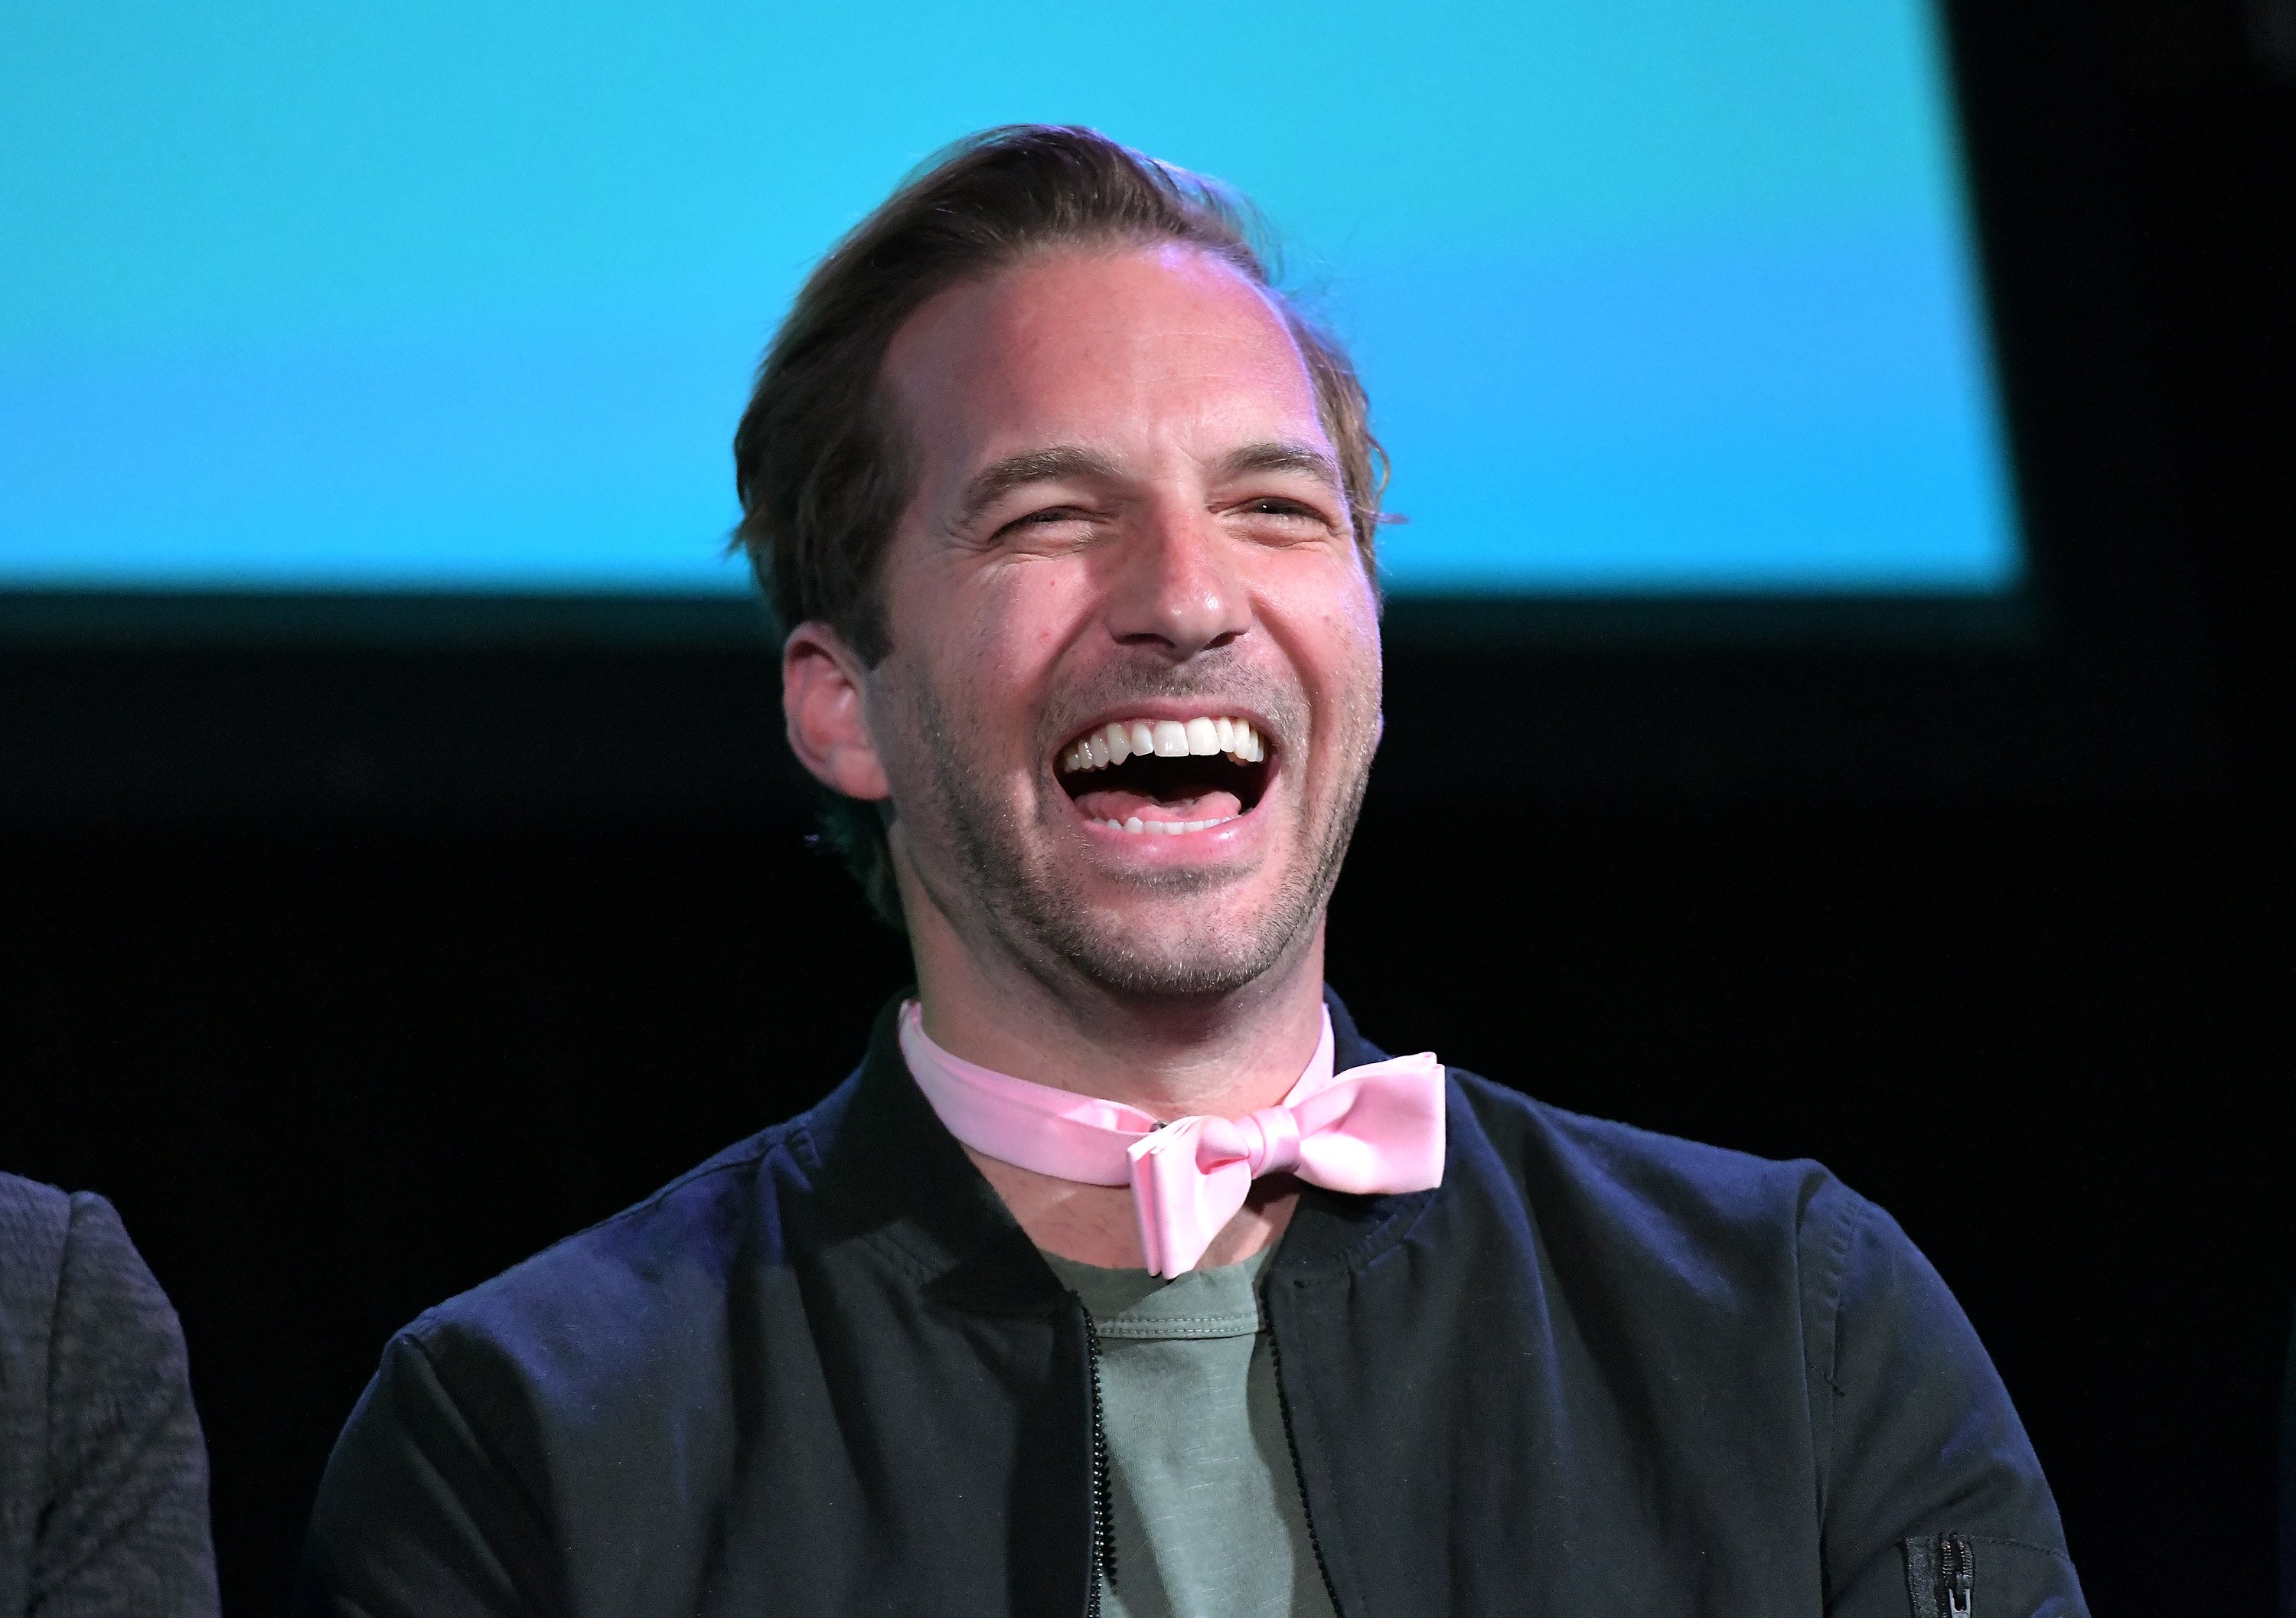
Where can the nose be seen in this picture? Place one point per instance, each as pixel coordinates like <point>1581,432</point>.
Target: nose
<point>1178,589</point>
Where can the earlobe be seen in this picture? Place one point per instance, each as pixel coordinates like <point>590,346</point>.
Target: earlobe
<point>827,719</point>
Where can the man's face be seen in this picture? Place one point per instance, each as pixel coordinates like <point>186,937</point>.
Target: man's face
<point>1127,526</point>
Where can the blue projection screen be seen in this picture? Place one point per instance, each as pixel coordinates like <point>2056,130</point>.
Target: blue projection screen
<point>1650,295</point>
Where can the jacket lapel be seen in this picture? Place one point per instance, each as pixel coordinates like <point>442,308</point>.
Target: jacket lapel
<point>892,1177</point>
<point>1332,1250</point>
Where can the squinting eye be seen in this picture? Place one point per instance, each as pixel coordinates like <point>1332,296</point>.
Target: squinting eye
<point>1046,518</point>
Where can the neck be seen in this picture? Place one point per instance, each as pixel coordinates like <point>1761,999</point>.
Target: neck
<point>1169,1056</point>
<point>1225,1054</point>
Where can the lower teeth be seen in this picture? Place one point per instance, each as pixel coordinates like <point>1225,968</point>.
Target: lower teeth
<point>1169,827</point>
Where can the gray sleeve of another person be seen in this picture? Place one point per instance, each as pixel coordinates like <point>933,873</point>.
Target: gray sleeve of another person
<point>103,1476</point>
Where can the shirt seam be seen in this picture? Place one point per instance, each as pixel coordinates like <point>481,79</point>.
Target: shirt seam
<point>1200,1331</point>
<point>1836,1284</point>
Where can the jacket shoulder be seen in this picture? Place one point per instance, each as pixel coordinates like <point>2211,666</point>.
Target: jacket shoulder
<point>589,1379</point>
<point>1910,1430</point>
<point>649,1275</point>
<point>1664,1218</point>
<point>99,1447</point>
<point>34,1218</point>
<point>65,1259</point>
<point>1655,1181</point>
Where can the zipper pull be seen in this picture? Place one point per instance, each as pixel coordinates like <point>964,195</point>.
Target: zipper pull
<point>1956,1575</point>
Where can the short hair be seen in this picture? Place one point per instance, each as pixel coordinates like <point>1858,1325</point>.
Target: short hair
<point>818,461</point>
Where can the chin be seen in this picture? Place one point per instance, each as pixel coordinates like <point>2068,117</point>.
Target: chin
<point>1188,955</point>
<point>1126,969</point>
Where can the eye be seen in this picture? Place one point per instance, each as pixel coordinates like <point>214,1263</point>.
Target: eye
<point>1047,518</point>
<point>1284,517</point>
<point>1048,528</point>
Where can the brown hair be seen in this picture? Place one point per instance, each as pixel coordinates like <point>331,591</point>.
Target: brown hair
<point>817,462</point>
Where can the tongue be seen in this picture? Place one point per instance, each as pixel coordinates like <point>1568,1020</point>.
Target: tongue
<point>1111,803</point>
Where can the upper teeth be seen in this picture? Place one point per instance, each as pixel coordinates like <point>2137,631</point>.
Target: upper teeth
<point>1112,743</point>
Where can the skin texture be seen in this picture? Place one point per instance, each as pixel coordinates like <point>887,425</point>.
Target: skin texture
<point>1123,504</point>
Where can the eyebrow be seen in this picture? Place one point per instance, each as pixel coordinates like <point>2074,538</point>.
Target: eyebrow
<point>1279,454</point>
<point>992,483</point>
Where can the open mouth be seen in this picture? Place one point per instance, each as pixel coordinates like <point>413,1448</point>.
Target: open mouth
<point>1167,776</point>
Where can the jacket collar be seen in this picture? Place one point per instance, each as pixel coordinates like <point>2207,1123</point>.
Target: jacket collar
<point>891,1174</point>
<point>1333,1234</point>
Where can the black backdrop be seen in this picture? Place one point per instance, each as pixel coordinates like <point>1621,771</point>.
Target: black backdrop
<point>356,965</point>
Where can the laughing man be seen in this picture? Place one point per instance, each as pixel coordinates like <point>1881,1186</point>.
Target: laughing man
<point>1123,1276</point>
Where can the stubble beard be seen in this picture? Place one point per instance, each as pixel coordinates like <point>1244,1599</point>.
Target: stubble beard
<point>1054,934</point>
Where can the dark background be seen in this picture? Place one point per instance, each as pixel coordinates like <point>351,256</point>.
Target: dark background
<point>357,950</point>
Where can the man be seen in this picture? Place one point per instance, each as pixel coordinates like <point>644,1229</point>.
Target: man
<point>1123,1276</point>
<point>103,1475</point>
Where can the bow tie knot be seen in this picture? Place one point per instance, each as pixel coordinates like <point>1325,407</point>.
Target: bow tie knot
<point>1272,1143</point>
<point>1370,1130</point>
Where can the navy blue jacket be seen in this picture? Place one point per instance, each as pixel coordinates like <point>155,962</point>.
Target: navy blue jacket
<point>1596,1371</point>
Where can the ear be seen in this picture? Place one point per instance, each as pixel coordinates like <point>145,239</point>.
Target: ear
<point>821,685</point>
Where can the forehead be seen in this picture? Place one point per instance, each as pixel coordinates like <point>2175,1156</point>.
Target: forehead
<point>1100,346</point>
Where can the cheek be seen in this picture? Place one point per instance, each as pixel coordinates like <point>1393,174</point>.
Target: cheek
<point>1017,619</point>
<point>1336,637</point>
<point>996,643</point>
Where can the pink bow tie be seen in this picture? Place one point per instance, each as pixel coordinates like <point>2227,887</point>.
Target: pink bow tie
<point>1373,1128</point>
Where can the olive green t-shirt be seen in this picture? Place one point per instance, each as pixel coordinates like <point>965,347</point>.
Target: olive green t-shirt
<point>1208,1517</point>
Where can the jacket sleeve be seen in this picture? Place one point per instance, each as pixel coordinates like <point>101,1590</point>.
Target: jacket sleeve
<point>419,1513</point>
<point>1926,1477</point>
<point>124,1527</point>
